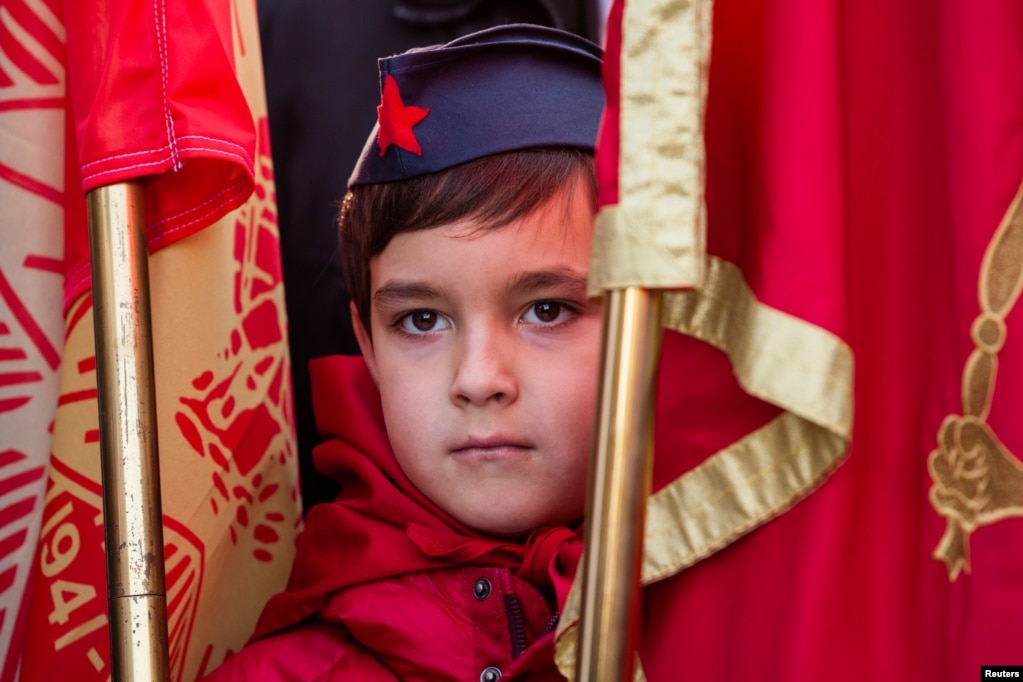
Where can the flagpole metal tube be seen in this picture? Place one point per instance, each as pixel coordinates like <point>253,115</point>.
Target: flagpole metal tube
<point>137,600</point>
<point>619,486</point>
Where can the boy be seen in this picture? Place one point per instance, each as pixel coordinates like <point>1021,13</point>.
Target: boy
<point>462,436</point>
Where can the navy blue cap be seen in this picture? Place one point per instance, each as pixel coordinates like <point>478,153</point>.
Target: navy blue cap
<point>502,89</point>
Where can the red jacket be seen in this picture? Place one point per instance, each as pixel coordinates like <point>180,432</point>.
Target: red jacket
<point>387,586</point>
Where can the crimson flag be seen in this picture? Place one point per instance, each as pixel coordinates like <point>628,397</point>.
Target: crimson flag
<point>838,477</point>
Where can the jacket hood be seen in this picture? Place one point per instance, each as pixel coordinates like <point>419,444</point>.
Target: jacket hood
<point>380,525</point>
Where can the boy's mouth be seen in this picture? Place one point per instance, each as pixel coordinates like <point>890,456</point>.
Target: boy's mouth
<point>490,447</point>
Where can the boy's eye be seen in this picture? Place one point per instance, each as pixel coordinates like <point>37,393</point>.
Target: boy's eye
<point>546,312</point>
<point>422,322</point>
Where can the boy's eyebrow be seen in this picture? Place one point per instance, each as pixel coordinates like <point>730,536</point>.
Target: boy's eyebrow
<point>397,291</point>
<point>550,279</point>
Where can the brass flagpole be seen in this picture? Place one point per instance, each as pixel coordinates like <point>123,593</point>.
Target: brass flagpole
<point>619,486</point>
<point>136,583</point>
<point>649,238</point>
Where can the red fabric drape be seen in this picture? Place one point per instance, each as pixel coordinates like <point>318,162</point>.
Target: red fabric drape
<point>154,95</point>
<point>860,157</point>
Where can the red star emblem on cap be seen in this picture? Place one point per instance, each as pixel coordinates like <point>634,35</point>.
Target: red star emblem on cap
<point>396,120</point>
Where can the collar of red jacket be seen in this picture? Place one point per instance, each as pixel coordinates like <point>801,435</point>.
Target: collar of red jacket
<point>381,525</point>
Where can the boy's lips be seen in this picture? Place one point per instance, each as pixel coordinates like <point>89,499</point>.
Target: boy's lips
<point>490,446</point>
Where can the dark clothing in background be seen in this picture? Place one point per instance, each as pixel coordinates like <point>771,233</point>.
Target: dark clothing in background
<point>319,58</point>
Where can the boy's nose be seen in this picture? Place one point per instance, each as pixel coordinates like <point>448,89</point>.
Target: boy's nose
<point>484,371</point>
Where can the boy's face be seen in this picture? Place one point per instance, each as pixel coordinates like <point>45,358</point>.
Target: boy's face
<point>485,349</point>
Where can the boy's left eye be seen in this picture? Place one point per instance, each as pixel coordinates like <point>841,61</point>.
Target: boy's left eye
<point>546,312</point>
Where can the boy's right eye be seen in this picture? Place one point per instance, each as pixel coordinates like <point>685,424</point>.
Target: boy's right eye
<point>420,322</point>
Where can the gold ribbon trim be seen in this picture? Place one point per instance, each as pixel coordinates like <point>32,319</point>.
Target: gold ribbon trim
<point>654,238</point>
<point>735,491</point>
<point>781,359</point>
<point>777,357</point>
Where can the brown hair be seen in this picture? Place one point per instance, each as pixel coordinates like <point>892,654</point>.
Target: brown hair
<point>492,191</point>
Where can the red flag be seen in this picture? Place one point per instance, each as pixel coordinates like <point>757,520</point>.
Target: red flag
<point>154,94</point>
<point>170,94</point>
<point>864,170</point>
